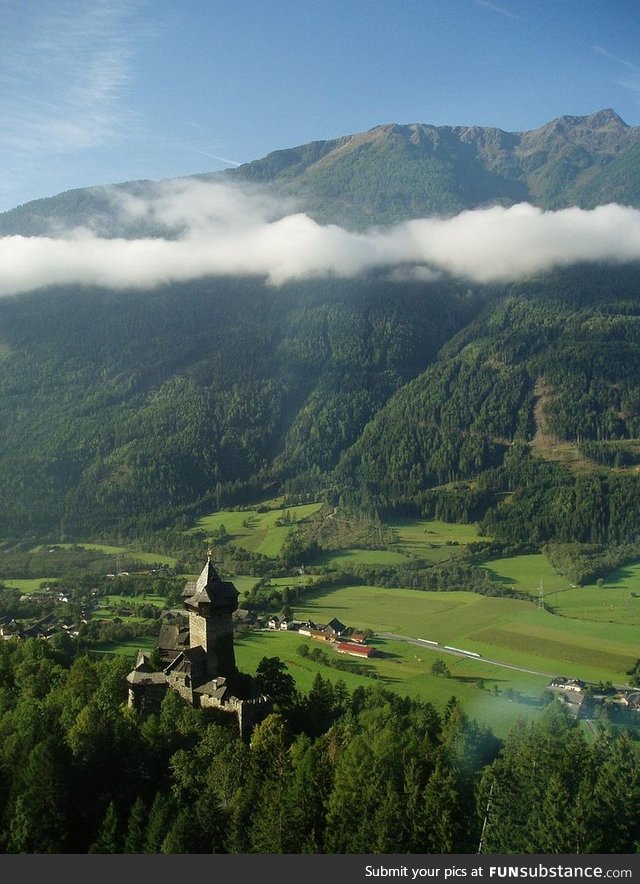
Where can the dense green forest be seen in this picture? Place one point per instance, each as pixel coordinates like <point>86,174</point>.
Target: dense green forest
<point>126,415</point>
<point>136,412</point>
<point>328,772</point>
<point>550,361</point>
<point>120,410</point>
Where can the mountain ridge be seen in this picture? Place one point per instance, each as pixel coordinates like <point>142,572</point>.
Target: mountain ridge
<point>121,409</point>
<point>445,168</point>
<point>393,172</point>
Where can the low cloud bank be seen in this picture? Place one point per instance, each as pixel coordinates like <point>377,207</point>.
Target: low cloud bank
<point>206,229</point>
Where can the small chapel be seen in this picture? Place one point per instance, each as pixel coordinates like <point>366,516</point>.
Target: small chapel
<point>202,668</point>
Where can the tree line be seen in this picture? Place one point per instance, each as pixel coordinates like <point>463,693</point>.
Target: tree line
<point>330,771</point>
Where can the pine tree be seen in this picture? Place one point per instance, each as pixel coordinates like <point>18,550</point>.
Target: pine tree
<point>136,827</point>
<point>108,838</point>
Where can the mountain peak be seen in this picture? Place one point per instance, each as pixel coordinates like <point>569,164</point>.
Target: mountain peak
<point>605,117</point>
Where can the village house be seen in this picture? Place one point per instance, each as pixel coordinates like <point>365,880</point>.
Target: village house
<point>280,623</point>
<point>334,629</point>
<point>354,649</point>
<point>566,684</point>
<point>306,627</point>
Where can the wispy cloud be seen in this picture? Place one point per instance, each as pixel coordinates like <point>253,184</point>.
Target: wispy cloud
<point>214,229</point>
<point>499,9</point>
<point>214,156</point>
<point>64,69</point>
<point>631,81</point>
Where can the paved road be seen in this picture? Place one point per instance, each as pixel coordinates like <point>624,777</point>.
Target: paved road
<point>440,649</point>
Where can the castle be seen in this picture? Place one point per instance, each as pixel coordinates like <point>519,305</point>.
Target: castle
<point>203,668</point>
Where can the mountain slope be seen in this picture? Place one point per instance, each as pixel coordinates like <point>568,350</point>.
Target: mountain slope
<point>141,407</point>
<point>394,172</point>
<point>463,440</point>
<point>119,409</point>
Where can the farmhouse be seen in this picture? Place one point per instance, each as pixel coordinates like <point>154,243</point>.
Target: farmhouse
<point>279,623</point>
<point>355,649</point>
<point>334,629</point>
<point>204,670</point>
<point>567,684</point>
<point>307,627</point>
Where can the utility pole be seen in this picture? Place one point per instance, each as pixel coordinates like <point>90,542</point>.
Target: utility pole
<point>486,817</point>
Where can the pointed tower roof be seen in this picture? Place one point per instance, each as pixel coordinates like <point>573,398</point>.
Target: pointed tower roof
<point>210,589</point>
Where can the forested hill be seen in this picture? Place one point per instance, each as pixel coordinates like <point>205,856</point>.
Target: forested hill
<point>124,409</point>
<point>515,404</point>
<point>528,421</point>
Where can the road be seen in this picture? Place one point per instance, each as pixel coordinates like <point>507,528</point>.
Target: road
<point>440,649</point>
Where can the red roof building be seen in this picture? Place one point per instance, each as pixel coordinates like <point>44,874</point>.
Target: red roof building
<point>354,649</point>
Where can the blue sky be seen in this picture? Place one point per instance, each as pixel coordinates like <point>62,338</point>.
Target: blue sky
<point>113,90</point>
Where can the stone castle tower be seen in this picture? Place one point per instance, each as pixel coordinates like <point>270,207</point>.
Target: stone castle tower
<point>211,602</point>
<point>203,671</point>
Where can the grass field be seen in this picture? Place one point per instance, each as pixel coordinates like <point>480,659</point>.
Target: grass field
<point>608,604</point>
<point>511,631</point>
<point>256,531</point>
<point>146,558</point>
<point>28,584</point>
<point>360,557</point>
<point>406,669</point>
<point>431,539</point>
<point>616,601</point>
<point>526,573</point>
<point>126,601</point>
<point>128,647</point>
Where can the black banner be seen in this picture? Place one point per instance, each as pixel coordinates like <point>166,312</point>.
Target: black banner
<point>305,869</point>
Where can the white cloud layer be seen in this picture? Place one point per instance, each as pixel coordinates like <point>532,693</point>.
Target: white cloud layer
<point>212,229</point>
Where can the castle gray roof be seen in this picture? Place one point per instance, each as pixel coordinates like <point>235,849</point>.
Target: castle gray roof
<point>173,637</point>
<point>138,677</point>
<point>217,688</point>
<point>210,589</point>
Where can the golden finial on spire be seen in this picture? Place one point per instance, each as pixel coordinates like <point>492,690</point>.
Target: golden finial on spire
<point>209,553</point>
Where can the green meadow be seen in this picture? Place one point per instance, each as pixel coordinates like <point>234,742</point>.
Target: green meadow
<point>126,601</point>
<point>510,631</point>
<point>145,558</point>
<point>431,539</point>
<point>128,647</point>
<point>29,584</point>
<point>360,557</point>
<point>607,604</point>
<point>527,573</point>
<point>257,531</point>
<point>617,600</point>
<point>427,540</point>
<point>406,669</point>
